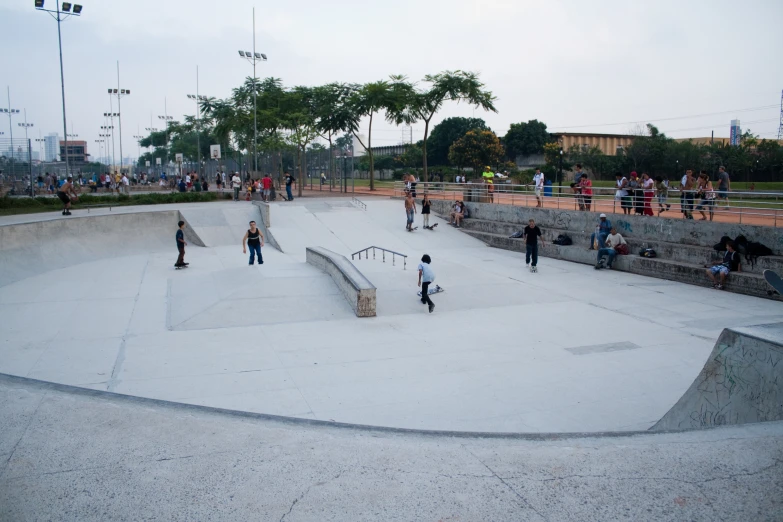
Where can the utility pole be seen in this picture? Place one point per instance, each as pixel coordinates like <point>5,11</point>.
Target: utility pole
<point>254,58</point>
<point>120,93</point>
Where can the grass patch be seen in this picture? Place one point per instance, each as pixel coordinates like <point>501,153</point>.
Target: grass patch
<point>24,205</point>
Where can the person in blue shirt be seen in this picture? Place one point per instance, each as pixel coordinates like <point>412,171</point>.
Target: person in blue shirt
<point>181,246</point>
<point>426,276</point>
<point>604,228</point>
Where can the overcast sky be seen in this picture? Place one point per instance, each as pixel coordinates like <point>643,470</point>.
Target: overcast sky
<point>572,64</point>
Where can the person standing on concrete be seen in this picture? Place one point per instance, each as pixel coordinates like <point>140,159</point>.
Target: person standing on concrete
<point>586,190</point>
<point>266,183</point>
<point>219,183</point>
<point>64,193</point>
<point>125,185</point>
<point>531,235</point>
<point>724,184</point>
<point>425,210</point>
<point>410,211</point>
<point>181,244</point>
<point>426,277</point>
<point>255,240</point>
<point>707,194</point>
<point>538,181</point>
<point>621,192</point>
<point>289,182</point>
<point>687,184</point>
<point>648,188</point>
<point>662,192</point>
<point>236,184</point>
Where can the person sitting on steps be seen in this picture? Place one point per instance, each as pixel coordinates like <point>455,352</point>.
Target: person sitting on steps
<point>731,263</point>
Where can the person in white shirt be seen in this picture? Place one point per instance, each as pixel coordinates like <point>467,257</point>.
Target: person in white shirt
<point>538,179</point>
<point>613,240</point>
<point>621,192</point>
<point>125,184</point>
<point>236,184</point>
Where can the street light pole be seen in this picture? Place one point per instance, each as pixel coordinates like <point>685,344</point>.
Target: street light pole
<point>10,113</point>
<point>198,98</point>
<point>29,150</point>
<point>120,93</point>
<point>68,10</point>
<point>254,58</point>
<point>166,118</point>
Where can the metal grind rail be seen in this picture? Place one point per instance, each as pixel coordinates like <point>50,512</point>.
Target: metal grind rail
<point>383,254</point>
<point>359,203</point>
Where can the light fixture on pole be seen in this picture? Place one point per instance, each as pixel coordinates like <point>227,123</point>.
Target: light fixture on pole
<point>68,9</point>
<point>108,133</point>
<point>10,113</point>
<point>100,147</point>
<point>119,93</point>
<point>166,118</point>
<point>198,98</point>
<point>138,137</point>
<point>254,58</point>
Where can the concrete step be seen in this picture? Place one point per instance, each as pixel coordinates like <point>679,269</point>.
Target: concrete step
<point>679,252</point>
<point>691,273</point>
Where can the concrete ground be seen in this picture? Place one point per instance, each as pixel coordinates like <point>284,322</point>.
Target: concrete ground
<point>567,349</point>
<point>69,454</point>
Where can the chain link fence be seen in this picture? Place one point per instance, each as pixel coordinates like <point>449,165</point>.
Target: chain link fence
<point>16,167</point>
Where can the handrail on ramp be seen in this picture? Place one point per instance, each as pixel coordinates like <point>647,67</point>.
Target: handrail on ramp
<point>383,252</point>
<point>359,203</point>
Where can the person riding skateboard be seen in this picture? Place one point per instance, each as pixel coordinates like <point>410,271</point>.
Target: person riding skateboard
<point>181,244</point>
<point>63,193</point>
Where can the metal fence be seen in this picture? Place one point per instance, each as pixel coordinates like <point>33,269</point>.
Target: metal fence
<point>16,166</point>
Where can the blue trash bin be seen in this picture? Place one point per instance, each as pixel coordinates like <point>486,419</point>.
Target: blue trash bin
<point>548,188</point>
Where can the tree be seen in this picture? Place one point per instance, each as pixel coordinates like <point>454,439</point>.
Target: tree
<point>368,100</point>
<point>447,132</point>
<point>524,139</point>
<point>447,86</point>
<point>300,119</point>
<point>476,149</point>
<point>331,121</point>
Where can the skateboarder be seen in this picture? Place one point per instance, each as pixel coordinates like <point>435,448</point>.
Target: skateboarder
<point>425,210</point>
<point>426,276</point>
<point>63,193</point>
<point>410,210</point>
<point>531,235</point>
<point>255,240</point>
<point>289,181</point>
<point>181,244</point>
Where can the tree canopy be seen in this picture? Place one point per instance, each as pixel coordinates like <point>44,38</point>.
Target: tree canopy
<point>526,139</point>
<point>447,132</point>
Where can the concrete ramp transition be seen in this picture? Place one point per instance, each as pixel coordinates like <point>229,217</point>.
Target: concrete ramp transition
<point>741,382</point>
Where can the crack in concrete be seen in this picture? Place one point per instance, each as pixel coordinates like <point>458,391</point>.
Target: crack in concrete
<point>118,362</point>
<point>7,462</point>
<point>305,492</point>
<point>523,500</point>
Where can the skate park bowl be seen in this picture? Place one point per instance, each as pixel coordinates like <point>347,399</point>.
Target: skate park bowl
<point>93,301</point>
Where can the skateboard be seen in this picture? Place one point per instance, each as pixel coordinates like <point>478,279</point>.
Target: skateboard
<point>412,229</point>
<point>181,267</point>
<point>432,227</point>
<point>434,290</point>
<point>774,281</point>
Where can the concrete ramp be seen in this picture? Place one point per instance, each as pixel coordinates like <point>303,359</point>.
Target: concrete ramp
<point>30,249</point>
<point>220,226</point>
<point>741,382</point>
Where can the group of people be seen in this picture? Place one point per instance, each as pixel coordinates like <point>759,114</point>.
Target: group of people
<point>265,186</point>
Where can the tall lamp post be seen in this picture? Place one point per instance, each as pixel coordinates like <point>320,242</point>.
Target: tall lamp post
<point>254,58</point>
<point>167,119</point>
<point>152,145</point>
<point>67,10</point>
<point>100,146</point>
<point>138,137</point>
<point>30,154</point>
<point>198,98</point>
<point>111,116</point>
<point>119,93</point>
<point>10,113</point>
<point>560,175</point>
<point>109,133</point>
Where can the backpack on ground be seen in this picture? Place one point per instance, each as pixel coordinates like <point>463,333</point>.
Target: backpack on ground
<point>622,250</point>
<point>647,252</point>
<point>517,235</point>
<point>562,240</point>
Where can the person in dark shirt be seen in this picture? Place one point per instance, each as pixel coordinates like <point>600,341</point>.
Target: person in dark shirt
<point>425,211</point>
<point>181,246</point>
<point>731,263</point>
<point>531,235</point>
<point>255,240</point>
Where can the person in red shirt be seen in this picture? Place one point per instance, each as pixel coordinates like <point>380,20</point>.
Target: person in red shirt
<point>587,191</point>
<point>266,182</point>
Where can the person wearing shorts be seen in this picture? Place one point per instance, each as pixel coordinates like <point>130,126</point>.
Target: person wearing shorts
<point>538,179</point>
<point>266,183</point>
<point>724,184</point>
<point>64,193</point>
<point>731,263</point>
<point>410,210</point>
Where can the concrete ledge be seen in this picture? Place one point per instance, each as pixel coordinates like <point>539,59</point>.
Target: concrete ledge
<point>264,224</point>
<point>356,288</point>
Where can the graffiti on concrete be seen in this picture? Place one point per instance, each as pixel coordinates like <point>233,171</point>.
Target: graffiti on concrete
<point>562,220</point>
<point>625,226</point>
<point>650,229</point>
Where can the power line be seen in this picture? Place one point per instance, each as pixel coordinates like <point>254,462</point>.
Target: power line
<point>761,108</point>
<point>718,125</point>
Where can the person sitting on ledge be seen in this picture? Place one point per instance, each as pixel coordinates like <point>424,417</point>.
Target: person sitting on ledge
<point>731,263</point>
<point>602,230</point>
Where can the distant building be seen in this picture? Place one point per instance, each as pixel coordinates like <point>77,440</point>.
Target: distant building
<point>390,150</point>
<point>51,147</point>
<point>77,151</point>
<point>610,144</point>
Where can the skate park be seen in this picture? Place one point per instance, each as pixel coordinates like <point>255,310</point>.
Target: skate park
<point>99,324</point>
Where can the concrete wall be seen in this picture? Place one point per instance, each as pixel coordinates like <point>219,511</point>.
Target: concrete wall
<point>688,232</point>
<point>356,288</point>
<point>29,249</point>
<point>742,381</point>
<point>266,222</point>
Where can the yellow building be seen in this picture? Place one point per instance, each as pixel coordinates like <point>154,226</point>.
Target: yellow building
<point>609,144</point>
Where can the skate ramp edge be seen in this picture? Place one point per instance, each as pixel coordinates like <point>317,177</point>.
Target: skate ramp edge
<point>34,248</point>
<point>741,382</point>
<point>265,223</point>
<point>356,288</point>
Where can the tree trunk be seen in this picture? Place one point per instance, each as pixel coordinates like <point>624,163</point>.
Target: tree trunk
<point>369,152</point>
<point>424,151</point>
<point>331,164</point>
